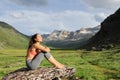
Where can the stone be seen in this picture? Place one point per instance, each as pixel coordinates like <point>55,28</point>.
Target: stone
<point>41,74</point>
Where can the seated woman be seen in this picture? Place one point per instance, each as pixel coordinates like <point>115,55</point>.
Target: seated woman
<point>36,52</point>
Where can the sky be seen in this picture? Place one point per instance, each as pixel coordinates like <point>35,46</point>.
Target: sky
<point>45,16</point>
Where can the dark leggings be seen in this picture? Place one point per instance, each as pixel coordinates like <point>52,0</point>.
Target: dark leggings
<point>35,62</point>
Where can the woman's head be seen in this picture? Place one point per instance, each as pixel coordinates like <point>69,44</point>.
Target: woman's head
<point>35,38</point>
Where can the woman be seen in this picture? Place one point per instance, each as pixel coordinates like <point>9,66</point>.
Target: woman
<point>36,52</point>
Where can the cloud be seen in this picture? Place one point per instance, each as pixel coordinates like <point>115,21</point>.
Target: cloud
<point>105,4</point>
<point>29,17</point>
<point>30,2</point>
<point>30,22</point>
<point>17,15</point>
<point>100,17</point>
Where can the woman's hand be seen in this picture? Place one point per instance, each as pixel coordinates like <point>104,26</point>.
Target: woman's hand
<point>48,49</point>
<point>42,48</point>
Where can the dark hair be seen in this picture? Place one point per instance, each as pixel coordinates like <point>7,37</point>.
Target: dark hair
<point>32,40</point>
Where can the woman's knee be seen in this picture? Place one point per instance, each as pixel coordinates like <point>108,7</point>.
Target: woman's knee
<point>47,55</point>
<point>31,67</point>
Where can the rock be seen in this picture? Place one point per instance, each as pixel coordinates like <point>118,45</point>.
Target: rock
<point>40,74</point>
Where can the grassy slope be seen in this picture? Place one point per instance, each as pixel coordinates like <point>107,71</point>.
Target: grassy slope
<point>90,65</point>
<point>10,38</point>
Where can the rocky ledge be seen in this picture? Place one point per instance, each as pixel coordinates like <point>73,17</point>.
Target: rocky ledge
<point>41,74</point>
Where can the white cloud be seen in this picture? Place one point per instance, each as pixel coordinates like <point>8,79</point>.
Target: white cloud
<point>105,4</point>
<point>30,22</point>
<point>17,15</point>
<point>30,2</point>
<point>31,16</point>
<point>100,17</point>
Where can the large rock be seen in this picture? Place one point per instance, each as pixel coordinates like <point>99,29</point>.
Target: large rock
<point>41,74</point>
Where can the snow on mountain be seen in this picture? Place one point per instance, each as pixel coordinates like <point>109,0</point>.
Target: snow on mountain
<point>83,33</point>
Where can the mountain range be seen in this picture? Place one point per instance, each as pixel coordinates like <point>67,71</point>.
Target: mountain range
<point>69,39</point>
<point>71,35</point>
<point>12,38</point>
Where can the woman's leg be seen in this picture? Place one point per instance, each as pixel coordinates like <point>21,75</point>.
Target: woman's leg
<point>34,63</point>
<point>52,60</point>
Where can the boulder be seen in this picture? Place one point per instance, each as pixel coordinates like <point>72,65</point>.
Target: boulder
<point>41,74</point>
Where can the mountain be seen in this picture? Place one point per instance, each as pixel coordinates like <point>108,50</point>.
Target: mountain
<point>11,38</point>
<point>69,39</point>
<point>109,34</point>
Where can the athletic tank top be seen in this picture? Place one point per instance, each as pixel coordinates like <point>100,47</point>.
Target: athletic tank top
<point>33,52</point>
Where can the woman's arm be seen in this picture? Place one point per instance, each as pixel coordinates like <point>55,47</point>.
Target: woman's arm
<point>42,48</point>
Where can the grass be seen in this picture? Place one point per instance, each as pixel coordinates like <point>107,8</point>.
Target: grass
<point>89,65</point>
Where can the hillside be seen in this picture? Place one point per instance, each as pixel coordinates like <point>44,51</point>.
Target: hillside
<point>109,34</point>
<point>11,38</point>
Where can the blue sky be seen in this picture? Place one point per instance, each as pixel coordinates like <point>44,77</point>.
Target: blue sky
<point>44,16</point>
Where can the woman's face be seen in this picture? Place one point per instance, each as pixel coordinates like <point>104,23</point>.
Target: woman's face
<point>38,38</point>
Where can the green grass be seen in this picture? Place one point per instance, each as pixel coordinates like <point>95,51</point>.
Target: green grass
<point>89,65</point>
